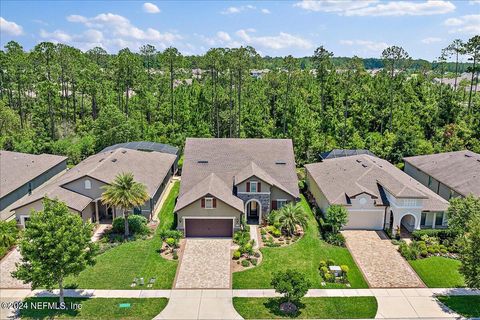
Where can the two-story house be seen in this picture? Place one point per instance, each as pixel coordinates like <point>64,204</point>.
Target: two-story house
<point>376,194</point>
<point>227,180</point>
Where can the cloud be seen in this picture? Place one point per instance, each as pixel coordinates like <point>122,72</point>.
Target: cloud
<point>57,36</point>
<point>431,40</point>
<point>280,41</point>
<point>472,2</point>
<point>10,28</point>
<point>365,47</point>
<point>249,7</point>
<point>468,24</point>
<point>376,8</point>
<point>150,8</point>
<point>224,36</point>
<point>265,11</point>
<point>118,25</point>
<point>333,5</point>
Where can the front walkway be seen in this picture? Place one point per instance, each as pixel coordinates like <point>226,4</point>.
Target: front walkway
<point>380,262</point>
<point>205,264</point>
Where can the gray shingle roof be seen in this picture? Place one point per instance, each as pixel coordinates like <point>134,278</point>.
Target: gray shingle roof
<point>343,178</point>
<point>211,185</point>
<point>459,170</point>
<point>149,168</point>
<point>229,159</point>
<point>17,168</point>
<point>339,153</point>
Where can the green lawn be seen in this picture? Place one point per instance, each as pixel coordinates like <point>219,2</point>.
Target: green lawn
<point>303,256</point>
<point>310,308</point>
<point>96,308</point>
<point>467,306</point>
<point>439,272</point>
<point>117,267</point>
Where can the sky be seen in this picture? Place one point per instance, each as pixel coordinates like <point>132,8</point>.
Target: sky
<point>274,28</point>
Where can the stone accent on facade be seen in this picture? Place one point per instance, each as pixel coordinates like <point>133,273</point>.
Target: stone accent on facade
<point>263,198</point>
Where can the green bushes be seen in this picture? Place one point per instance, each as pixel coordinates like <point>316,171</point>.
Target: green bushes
<point>427,246</point>
<point>328,276</point>
<point>137,225</point>
<point>236,254</point>
<point>336,239</point>
<point>442,234</point>
<point>8,236</point>
<point>175,234</point>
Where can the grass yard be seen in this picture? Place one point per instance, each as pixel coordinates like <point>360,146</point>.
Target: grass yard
<point>311,308</point>
<point>467,306</point>
<point>97,308</point>
<point>303,256</point>
<point>439,272</point>
<point>117,267</point>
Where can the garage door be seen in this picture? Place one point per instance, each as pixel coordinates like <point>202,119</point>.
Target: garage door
<point>367,220</point>
<point>208,227</point>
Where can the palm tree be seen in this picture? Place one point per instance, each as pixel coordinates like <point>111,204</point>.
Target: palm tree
<point>291,215</point>
<point>126,193</point>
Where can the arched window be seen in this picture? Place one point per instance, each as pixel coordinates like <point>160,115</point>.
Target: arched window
<point>88,184</point>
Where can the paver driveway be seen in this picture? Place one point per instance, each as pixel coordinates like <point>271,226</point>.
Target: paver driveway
<point>380,262</point>
<point>205,264</point>
<point>7,266</point>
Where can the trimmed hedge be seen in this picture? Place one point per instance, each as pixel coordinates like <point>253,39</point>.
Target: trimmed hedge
<point>438,233</point>
<point>137,224</point>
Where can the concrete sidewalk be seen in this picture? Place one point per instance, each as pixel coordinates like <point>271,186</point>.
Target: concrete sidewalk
<point>246,293</point>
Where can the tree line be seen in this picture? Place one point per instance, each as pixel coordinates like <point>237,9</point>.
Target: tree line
<point>57,99</point>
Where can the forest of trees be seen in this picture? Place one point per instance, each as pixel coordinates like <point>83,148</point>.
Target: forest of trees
<point>58,99</point>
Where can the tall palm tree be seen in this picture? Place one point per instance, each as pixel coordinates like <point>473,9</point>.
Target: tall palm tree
<point>126,193</point>
<point>291,215</point>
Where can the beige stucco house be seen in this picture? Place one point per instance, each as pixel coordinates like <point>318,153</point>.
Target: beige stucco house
<point>448,174</point>
<point>81,187</point>
<point>227,180</point>
<point>376,194</point>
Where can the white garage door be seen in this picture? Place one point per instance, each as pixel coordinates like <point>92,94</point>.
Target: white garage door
<point>369,220</point>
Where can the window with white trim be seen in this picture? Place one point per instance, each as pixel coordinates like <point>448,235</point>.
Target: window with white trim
<point>281,203</point>
<point>253,186</point>
<point>208,203</point>
<point>88,184</point>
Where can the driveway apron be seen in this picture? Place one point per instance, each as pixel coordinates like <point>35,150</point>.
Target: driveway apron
<point>380,262</point>
<point>205,264</point>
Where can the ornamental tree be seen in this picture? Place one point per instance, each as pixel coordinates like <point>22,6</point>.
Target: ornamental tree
<point>461,212</point>
<point>336,216</point>
<point>470,256</point>
<point>292,284</point>
<point>56,243</point>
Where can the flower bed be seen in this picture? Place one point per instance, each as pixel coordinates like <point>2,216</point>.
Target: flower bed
<point>429,246</point>
<point>273,237</point>
<point>340,276</point>
<point>172,241</point>
<point>245,256</point>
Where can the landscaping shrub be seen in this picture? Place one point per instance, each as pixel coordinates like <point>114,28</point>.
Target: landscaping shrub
<point>236,254</point>
<point>137,224</point>
<point>276,233</point>
<point>175,255</point>
<point>241,237</point>
<point>336,239</point>
<point>408,252</point>
<point>245,263</point>
<point>254,261</point>
<point>442,234</point>
<point>175,234</point>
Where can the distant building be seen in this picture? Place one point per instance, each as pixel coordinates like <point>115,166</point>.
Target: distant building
<point>449,174</point>
<point>21,173</point>
<point>258,74</point>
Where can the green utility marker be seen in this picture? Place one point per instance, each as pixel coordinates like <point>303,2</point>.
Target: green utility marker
<point>124,305</point>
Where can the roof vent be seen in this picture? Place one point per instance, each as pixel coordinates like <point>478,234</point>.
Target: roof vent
<point>467,155</point>
<point>114,160</point>
<point>124,151</point>
<point>359,161</point>
<point>202,161</point>
<point>280,162</point>
<point>101,160</point>
<point>364,165</point>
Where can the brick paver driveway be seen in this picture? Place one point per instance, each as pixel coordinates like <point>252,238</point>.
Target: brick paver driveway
<point>7,266</point>
<point>205,264</point>
<point>380,262</point>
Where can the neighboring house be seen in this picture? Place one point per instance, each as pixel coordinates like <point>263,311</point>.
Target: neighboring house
<point>227,180</point>
<point>449,174</point>
<point>376,194</point>
<point>339,153</point>
<point>21,173</point>
<point>82,186</point>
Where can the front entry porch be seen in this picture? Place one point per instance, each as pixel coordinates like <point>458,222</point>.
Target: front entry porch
<point>253,211</point>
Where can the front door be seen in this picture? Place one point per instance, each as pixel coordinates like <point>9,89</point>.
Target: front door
<point>253,212</point>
